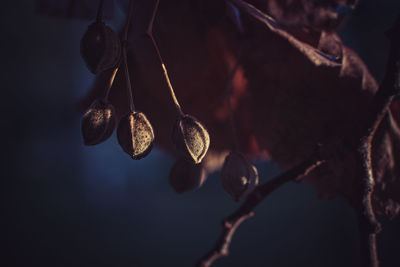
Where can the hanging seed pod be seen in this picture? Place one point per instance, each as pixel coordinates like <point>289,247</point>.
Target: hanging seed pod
<point>253,181</point>
<point>191,138</point>
<point>185,175</point>
<point>100,47</point>
<point>98,123</point>
<point>135,135</point>
<point>238,176</point>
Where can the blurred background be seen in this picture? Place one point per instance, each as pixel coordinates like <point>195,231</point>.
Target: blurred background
<point>71,205</point>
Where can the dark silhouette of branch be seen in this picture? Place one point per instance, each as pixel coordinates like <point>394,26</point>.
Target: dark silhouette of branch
<point>124,41</point>
<point>149,33</point>
<point>100,10</point>
<point>232,222</point>
<point>389,88</point>
<point>359,143</point>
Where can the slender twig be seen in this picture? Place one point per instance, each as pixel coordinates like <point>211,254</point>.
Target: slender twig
<point>124,41</point>
<point>149,33</point>
<point>221,248</point>
<point>71,8</point>
<point>110,83</point>
<point>100,11</point>
<point>127,22</point>
<point>389,88</point>
<point>128,80</point>
<point>232,222</point>
<point>228,95</point>
<point>99,18</point>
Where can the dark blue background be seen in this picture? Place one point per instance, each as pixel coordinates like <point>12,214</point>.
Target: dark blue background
<point>71,205</point>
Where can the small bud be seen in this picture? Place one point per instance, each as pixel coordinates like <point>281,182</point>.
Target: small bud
<point>100,47</point>
<point>135,135</point>
<point>190,138</point>
<point>238,176</point>
<point>98,123</point>
<point>185,175</point>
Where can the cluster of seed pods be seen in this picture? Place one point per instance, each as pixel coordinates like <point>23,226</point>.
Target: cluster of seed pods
<point>102,50</point>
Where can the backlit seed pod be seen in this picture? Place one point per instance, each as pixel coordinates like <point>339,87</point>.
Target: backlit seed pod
<point>191,138</point>
<point>238,176</point>
<point>185,175</point>
<point>253,182</point>
<point>100,47</point>
<point>98,123</point>
<point>135,135</point>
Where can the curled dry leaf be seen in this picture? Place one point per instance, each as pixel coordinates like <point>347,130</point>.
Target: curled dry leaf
<point>98,123</point>
<point>238,176</point>
<point>315,55</point>
<point>135,135</point>
<point>100,47</point>
<point>191,138</point>
<point>319,15</point>
<point>185,175</point>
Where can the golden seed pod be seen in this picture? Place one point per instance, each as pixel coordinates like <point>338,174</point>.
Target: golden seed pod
<point>238,176</point>
<point>135,134</point>
<point>100,47</point>
<point>185,175</point>
<point>191,138</point>
<point>98,123</point>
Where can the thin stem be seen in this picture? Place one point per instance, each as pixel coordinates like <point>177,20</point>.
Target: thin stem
<point>171,89</point>
<point>100,11</point>
<point>228,93</point>
<point>127,22</point>
<point>71,8</point>
<point>235,142</point>
<point>124,41</point>
<point>149,33</point>
<point>110,83</point>
<point>128,80</point>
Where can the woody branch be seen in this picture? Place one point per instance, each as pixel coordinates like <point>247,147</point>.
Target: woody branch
<point>359,143</point>
<point>389,88</point>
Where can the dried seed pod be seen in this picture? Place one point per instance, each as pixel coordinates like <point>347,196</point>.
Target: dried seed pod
<point>190,138</point>
<point>98,123</point>
<point>238,176</point>
<point>135,134</point>
<point>100,47</point>
<point>185,175</point>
